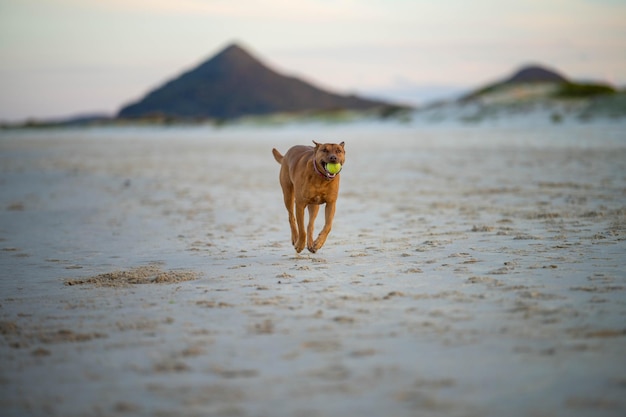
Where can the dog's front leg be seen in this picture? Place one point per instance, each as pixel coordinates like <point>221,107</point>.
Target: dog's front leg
<point>301,242</point>
<point>328,224</point>
<point>313,210</point>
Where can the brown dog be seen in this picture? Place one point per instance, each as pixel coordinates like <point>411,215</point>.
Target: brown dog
<point>305,181</point>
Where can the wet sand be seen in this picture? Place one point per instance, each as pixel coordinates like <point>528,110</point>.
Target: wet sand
<point>471,271</point>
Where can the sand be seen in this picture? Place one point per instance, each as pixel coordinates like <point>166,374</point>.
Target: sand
<point>471,271</point>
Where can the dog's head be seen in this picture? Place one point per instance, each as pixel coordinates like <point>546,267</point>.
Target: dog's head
<point>329,153</point>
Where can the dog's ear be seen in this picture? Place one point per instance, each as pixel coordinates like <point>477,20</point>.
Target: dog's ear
<point>316,144</point>
<point>342,143</point>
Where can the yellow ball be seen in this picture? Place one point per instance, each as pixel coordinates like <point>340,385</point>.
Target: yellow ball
<point>333,168</point>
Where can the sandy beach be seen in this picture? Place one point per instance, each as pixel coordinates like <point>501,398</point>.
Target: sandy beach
<point>472,270</point>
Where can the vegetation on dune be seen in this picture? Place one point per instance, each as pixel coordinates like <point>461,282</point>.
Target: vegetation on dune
<point>583,90</point>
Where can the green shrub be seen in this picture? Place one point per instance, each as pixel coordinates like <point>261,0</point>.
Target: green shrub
<point>580,90</point>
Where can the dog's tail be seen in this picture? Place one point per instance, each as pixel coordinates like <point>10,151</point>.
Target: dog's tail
<point>277,156</point>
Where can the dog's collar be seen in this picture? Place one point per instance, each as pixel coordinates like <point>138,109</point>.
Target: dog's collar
<point>326,175</point>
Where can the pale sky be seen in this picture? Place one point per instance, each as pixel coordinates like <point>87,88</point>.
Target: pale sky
<point>60,58</point>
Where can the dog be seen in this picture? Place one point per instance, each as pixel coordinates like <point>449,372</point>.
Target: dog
<point>307,184</point>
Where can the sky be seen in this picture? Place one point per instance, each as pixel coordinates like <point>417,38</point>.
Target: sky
<point>61,58</point>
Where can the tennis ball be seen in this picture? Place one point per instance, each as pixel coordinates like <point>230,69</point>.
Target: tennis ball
<point>333,168</point>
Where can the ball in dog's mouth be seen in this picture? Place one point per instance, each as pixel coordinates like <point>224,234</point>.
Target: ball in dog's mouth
<point>333,168</point>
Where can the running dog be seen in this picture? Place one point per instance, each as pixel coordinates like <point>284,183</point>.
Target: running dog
<point>307,183</point>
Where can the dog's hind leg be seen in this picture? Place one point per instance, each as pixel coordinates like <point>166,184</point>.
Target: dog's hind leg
<point>289,202</point>
<point>301,241</point>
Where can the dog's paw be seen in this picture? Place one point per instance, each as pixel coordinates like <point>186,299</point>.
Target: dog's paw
<point>312,249</point>
<point>317,245</point>
<point>299,247</point>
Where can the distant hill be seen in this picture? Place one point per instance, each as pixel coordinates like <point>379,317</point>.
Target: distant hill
<point>233,83</point>
<point>537,82</point>
<point>535,74</point>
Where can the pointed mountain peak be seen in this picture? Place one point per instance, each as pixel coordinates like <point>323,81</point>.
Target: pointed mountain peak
<point>234,83</point>
<point>233,47</point>
<point>233,51</point>
<point>232,58</point>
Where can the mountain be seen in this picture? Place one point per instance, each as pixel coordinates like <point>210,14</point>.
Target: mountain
<point>524,77</point>
<point>535,82</point>
<point>535,74</point>
<point>233,83</point>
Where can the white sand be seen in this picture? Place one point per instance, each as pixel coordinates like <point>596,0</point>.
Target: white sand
<point>471,271</point>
